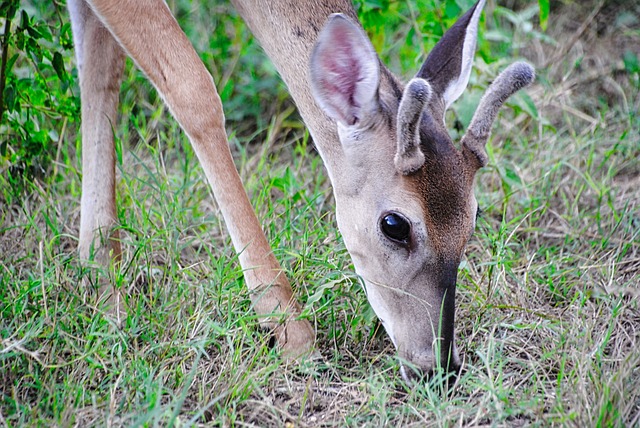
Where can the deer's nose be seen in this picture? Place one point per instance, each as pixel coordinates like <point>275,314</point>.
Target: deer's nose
<point>423,365</point>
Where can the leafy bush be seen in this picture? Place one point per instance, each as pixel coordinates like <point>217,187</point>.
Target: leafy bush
<point>36,101</point>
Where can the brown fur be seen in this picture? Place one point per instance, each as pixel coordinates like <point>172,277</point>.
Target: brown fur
<point>445,184</point>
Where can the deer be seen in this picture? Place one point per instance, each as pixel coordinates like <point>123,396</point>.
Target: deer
<point>404,192</point>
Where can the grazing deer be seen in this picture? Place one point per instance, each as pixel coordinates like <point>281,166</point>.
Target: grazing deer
<point>404,193</point>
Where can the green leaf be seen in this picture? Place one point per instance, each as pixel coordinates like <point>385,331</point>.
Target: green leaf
<point>631,63</point>
<point>512,177</point>
<point>58,66</point>
<point>451,10</point>
<point>321,291</point>
<point>11,62</point>
<point>34,32</point>
<point>10,99</point>
<point>24,20</point>
<point>526,103</point>
<point>45,32</point>
<point>544,13</point>
<point>8,8</point>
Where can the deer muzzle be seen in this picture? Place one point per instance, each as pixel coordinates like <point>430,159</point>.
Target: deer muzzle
<point>436,350</point>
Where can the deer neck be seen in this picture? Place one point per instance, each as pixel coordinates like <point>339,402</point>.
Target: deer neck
<point>287,31</point>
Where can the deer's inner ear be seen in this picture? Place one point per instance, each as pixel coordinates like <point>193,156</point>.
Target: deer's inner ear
<point>344,71</point>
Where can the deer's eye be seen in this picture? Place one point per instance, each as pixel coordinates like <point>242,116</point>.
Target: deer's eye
<point>396,228</point>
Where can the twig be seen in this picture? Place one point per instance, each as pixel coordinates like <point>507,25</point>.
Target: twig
<point>44,289</point>
<point>3,66</point>
<point>574,38</point>
<point>60,143</point>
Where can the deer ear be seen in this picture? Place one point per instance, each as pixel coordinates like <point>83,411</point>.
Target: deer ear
<point>448,66</point>
<point>344,70</point>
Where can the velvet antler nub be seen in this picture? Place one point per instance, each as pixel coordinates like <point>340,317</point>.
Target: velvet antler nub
<point>512,79</point>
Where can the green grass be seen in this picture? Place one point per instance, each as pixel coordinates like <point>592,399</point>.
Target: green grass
<point>548,320</point>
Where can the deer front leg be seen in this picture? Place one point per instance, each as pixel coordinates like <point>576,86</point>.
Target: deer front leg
<point>100,62</point>
<point>151,36</point>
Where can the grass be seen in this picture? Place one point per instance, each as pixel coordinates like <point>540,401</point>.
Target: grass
<point>548,319</point>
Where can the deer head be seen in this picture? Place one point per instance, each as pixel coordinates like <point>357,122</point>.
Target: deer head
<point>405,205</point>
